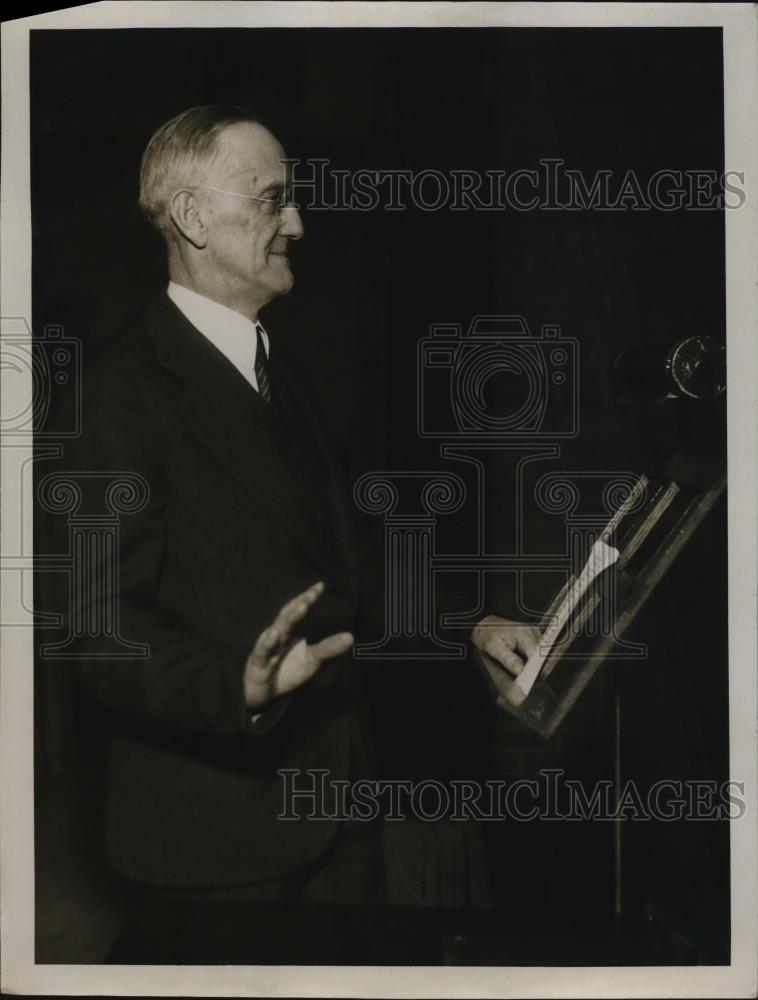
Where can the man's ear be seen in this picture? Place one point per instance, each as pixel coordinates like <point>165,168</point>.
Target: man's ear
<point>187,216</point>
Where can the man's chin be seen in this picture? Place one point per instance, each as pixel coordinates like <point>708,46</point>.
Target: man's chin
<point>282,283</point>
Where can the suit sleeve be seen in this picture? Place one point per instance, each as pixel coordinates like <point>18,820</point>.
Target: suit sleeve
<point>174,677</point>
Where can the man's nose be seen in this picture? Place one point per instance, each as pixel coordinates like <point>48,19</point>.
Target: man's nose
<point>291,224</point>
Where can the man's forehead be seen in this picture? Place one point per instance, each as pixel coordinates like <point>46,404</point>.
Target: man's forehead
<point>249,148</point>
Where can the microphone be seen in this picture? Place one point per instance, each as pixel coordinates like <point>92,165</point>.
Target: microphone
<point>693,368</point>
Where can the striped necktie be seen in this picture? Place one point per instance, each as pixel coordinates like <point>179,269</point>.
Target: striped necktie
<point>261,368</point>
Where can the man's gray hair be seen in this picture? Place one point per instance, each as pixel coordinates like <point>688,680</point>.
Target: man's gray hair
<point>177,153</point>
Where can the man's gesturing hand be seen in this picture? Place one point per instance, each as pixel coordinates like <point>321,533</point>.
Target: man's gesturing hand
<point>510,643</point>
<point>278,662</point>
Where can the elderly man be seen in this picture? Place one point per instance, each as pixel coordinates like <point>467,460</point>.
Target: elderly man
<point>237,573</point>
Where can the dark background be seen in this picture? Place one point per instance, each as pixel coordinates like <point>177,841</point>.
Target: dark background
<point>368,285</point>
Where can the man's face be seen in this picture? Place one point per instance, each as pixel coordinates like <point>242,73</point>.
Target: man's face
<point>248,240</point>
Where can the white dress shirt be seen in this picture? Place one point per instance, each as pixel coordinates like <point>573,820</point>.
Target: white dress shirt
<point>230,332</point>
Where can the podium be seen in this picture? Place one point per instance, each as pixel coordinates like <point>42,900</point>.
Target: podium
<point>647,533</point>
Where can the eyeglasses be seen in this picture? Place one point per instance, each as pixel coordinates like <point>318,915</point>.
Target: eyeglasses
<point>283,202</point>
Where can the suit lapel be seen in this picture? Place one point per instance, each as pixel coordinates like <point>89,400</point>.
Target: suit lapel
<point>230,418</point>
<point>334,510</point>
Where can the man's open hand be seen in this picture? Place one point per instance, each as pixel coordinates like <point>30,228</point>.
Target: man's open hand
<point>510,643</point>
<point>280,662</point>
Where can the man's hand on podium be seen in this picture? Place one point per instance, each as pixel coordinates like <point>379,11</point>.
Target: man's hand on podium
<point>510,643</point>
<point>279,661</point>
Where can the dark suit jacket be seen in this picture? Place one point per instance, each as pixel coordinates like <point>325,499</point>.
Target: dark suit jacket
<point>244,512</point>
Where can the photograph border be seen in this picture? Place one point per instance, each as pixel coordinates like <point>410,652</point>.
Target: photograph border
<point>20,974</point>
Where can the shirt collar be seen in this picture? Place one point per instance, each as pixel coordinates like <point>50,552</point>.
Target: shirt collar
<point>230,332</point>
